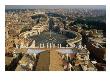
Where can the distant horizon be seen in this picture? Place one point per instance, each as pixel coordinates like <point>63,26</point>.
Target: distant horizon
<point>55,6</point>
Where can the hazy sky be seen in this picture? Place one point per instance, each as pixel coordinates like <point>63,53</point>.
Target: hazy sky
<point>53,6</point>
